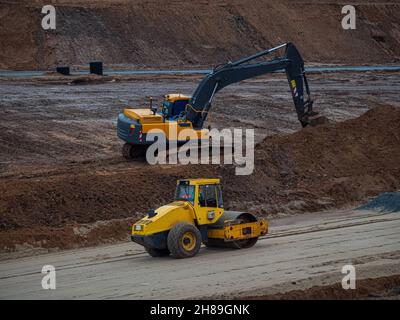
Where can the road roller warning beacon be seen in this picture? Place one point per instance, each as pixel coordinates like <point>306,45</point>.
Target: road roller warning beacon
<point>196,216</point>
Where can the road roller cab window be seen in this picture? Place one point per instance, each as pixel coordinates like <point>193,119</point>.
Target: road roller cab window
<point>219,197</point>
<point>185,192</point>
<point>208,196</point>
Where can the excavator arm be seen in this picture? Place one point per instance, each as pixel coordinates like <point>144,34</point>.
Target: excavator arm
<point>232,72</point>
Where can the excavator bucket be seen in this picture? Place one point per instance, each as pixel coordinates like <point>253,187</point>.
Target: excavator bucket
<point>315,119</point>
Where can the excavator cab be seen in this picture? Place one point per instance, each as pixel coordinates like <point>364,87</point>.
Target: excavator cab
<point>174,105</point>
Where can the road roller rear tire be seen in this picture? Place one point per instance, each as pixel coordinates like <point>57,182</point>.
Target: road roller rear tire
<point>184,240</point>
<point>157,252</point>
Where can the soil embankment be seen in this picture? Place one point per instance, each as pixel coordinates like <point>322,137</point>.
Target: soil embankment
<point>156,34</point>
<point>331,165</point>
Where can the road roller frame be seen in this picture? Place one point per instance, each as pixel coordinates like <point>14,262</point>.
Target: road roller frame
<point>196,216</point>
<point>233,231</point>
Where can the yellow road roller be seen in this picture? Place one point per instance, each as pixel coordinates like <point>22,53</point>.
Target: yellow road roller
<point>196,216</point>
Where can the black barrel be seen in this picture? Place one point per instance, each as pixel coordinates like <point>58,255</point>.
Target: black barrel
<point>63,70</point>
<point>96,67</point>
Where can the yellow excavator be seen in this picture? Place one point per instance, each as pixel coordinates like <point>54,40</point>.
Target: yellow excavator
<point>196,216</point>
<point>180,112</point>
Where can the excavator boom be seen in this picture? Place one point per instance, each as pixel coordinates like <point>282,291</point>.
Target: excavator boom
<point>232,72</point>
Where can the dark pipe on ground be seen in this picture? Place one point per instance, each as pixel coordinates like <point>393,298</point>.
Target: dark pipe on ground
<point>63,70</point>
<point>96,67</point>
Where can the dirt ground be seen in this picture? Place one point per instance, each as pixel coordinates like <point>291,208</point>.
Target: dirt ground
<point>301,255</point>
<point>372,288</point>
<point>153,34</point>
<point>51,120</point>
<point>64,183</point>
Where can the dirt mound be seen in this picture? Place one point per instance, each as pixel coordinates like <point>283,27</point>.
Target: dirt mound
<point>87,194</point>
<point>82,205</point>
<point>180,33</point>
<point>333,164</point>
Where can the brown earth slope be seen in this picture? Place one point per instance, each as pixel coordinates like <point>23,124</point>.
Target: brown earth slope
<point>330,165</point>
<point>335,164</point>
<point>179,33</point>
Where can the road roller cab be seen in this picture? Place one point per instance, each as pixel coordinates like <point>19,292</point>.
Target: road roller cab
<point>196,216</point>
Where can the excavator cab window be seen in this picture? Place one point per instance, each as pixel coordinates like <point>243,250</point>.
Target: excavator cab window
<point>172,110</point>
<point>166,107</point>
<point>179,106</point>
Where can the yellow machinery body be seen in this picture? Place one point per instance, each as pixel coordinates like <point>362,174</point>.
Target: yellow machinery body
<point>198,205</point>
<point>180,112</point>
<point>167,121</point>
